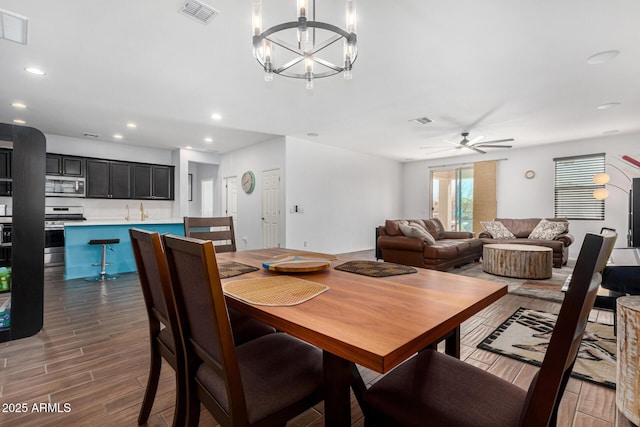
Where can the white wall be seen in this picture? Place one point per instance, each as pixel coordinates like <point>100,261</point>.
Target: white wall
<point>257,158</point>
<point>345,195</point>
<point>519,197</point>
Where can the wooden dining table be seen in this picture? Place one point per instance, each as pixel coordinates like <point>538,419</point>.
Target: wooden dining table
<point>375,322</point>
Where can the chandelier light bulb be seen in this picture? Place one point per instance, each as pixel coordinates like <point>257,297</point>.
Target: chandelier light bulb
<point>256,9</point>
<point>351,16</point>
<point>268,76</point>
<point>303,6</point>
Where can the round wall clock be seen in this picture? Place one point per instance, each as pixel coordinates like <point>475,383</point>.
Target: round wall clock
<point>529,174</point>
<point>248,182</point>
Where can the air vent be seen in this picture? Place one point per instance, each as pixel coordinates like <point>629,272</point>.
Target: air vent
<point>91,135</point>
<point>199,11</point>
<point>13,27</point>
<point>422,120</point>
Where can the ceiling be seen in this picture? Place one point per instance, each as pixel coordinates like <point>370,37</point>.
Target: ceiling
<point>497,68</point>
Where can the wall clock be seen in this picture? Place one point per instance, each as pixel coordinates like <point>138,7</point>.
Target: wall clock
<point>248,182</point>
<point>529,174</point>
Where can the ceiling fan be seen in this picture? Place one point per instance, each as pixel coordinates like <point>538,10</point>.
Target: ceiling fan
<point>475,145</point>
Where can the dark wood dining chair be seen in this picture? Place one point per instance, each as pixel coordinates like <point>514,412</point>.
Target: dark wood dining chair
<point>165,342</point>
<point>155,281</point>
<point>433,389</point>
<point>264,382</point>
<point>217,229</point>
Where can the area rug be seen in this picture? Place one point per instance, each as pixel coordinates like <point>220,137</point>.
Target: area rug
<point>231,269</point>
<point>541,290</point>
<point>525,336</point>
<point>375,269</point>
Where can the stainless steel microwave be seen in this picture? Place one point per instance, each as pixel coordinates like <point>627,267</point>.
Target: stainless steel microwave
<point>61,186</point>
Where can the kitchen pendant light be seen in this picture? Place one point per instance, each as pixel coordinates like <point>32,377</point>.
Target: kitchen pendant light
<point>305,49</point>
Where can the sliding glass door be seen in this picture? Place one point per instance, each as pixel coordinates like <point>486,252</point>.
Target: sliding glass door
<point>452,197</point>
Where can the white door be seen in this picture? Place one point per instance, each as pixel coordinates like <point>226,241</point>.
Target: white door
<point>271,208</point>
<point>206,186</point>
<point>231,199</point>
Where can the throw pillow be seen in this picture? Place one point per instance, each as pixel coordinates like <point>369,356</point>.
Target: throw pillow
<point>497,230</point>
<point>415,230</point>
<point>548,230</point>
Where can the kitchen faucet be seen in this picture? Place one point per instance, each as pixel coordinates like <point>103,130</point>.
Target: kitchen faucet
<point>142,214</point>
<point>128,217</point>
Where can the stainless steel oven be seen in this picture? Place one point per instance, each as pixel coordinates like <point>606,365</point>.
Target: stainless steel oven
<point>55,217</point>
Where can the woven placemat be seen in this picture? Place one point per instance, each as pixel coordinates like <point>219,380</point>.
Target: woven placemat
<point>375,269</point>
<point>231,269</point>
<point>279,290</point>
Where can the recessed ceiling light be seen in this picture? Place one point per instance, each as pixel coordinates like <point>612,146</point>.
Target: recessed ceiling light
<point>216,116</point>
<point>608,105</point>
<point>36,71</point>
<point>602,57</point>
<point>117,136</point>
<point>19,105</point>
<point>208,140</point>
<point>132,125</point>
<point>19,121</point>
<point>188,147</point>
<point>422,120</point>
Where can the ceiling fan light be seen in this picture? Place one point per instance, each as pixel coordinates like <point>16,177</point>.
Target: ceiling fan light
<point>601,178</point>
<point>600,193</point>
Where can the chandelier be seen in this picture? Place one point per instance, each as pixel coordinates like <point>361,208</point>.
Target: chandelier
<point>305,49</point>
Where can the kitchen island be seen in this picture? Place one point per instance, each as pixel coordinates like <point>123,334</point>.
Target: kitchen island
<point>79,255</point>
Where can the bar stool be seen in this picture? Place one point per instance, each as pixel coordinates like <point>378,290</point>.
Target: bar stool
<point>103,262</point>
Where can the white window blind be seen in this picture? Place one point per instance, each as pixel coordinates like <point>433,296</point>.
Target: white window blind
<point>574,187</point>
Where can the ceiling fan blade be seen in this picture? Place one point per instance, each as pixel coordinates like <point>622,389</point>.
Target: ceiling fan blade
<point>495,141</point>
<point>457,144</point>
<point>493,146</point>
<point>474,141</point>
<point>476,149</point>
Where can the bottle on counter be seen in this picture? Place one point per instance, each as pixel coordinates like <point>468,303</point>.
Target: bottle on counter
<point>5,279</point>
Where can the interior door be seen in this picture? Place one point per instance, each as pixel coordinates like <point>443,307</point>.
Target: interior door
<point>206,189</point>
<point>271,208</point>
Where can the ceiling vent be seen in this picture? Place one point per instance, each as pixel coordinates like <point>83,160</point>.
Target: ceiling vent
<point>422,120</point>
<point>91,135</point>
<point>199,11</point>
<point>13,27</point>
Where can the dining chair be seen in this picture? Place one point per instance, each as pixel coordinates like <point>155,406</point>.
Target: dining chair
<point>155,282</point>
<point>433,389</point>
<point>264,382</point>
<point>165,342</point>
<point>217,229</point>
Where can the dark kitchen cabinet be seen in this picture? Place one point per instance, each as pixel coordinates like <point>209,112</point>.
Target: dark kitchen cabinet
<point>108,179</point>
<point>61,165</point>
<point>5,172</point>
<point>152,182</point>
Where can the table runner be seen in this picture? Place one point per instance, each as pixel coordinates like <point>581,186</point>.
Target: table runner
<point>274,291</point>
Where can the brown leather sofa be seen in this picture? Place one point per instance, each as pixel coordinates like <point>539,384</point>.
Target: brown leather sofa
<point>522,228</point>
<point>451,248</point>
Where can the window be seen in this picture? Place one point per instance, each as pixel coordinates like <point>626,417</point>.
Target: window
<point>452,198</point>
<point>574,187</point>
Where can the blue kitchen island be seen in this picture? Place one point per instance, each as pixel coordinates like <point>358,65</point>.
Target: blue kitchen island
<point>79,255</point>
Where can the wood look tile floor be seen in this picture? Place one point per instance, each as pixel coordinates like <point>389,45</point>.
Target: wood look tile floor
<point>92,355</point>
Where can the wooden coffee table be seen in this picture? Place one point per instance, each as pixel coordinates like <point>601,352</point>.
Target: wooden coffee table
<point>519,261</point>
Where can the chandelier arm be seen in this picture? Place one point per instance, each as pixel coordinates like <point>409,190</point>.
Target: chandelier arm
<point>328,64</point>
<point>288,65</point>
<point>324,44</point>
<point>283,44</point>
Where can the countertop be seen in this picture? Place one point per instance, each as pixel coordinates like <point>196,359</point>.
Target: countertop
<point>120,221</point>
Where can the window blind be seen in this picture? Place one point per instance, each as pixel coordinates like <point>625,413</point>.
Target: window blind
<point>574,187</point>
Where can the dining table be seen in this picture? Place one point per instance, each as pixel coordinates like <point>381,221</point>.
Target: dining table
<point>374,322</point>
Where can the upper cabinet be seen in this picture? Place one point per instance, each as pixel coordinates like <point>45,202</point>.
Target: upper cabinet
<point>62,165</point>
<point>5,172</point>
<point>152,182</point>
<point>108,179</point>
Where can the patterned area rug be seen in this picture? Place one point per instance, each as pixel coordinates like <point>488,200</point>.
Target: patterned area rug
<point>375,269</point>
<point>525,336</point>
<point>231,269</point>
<point>541,290</point>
